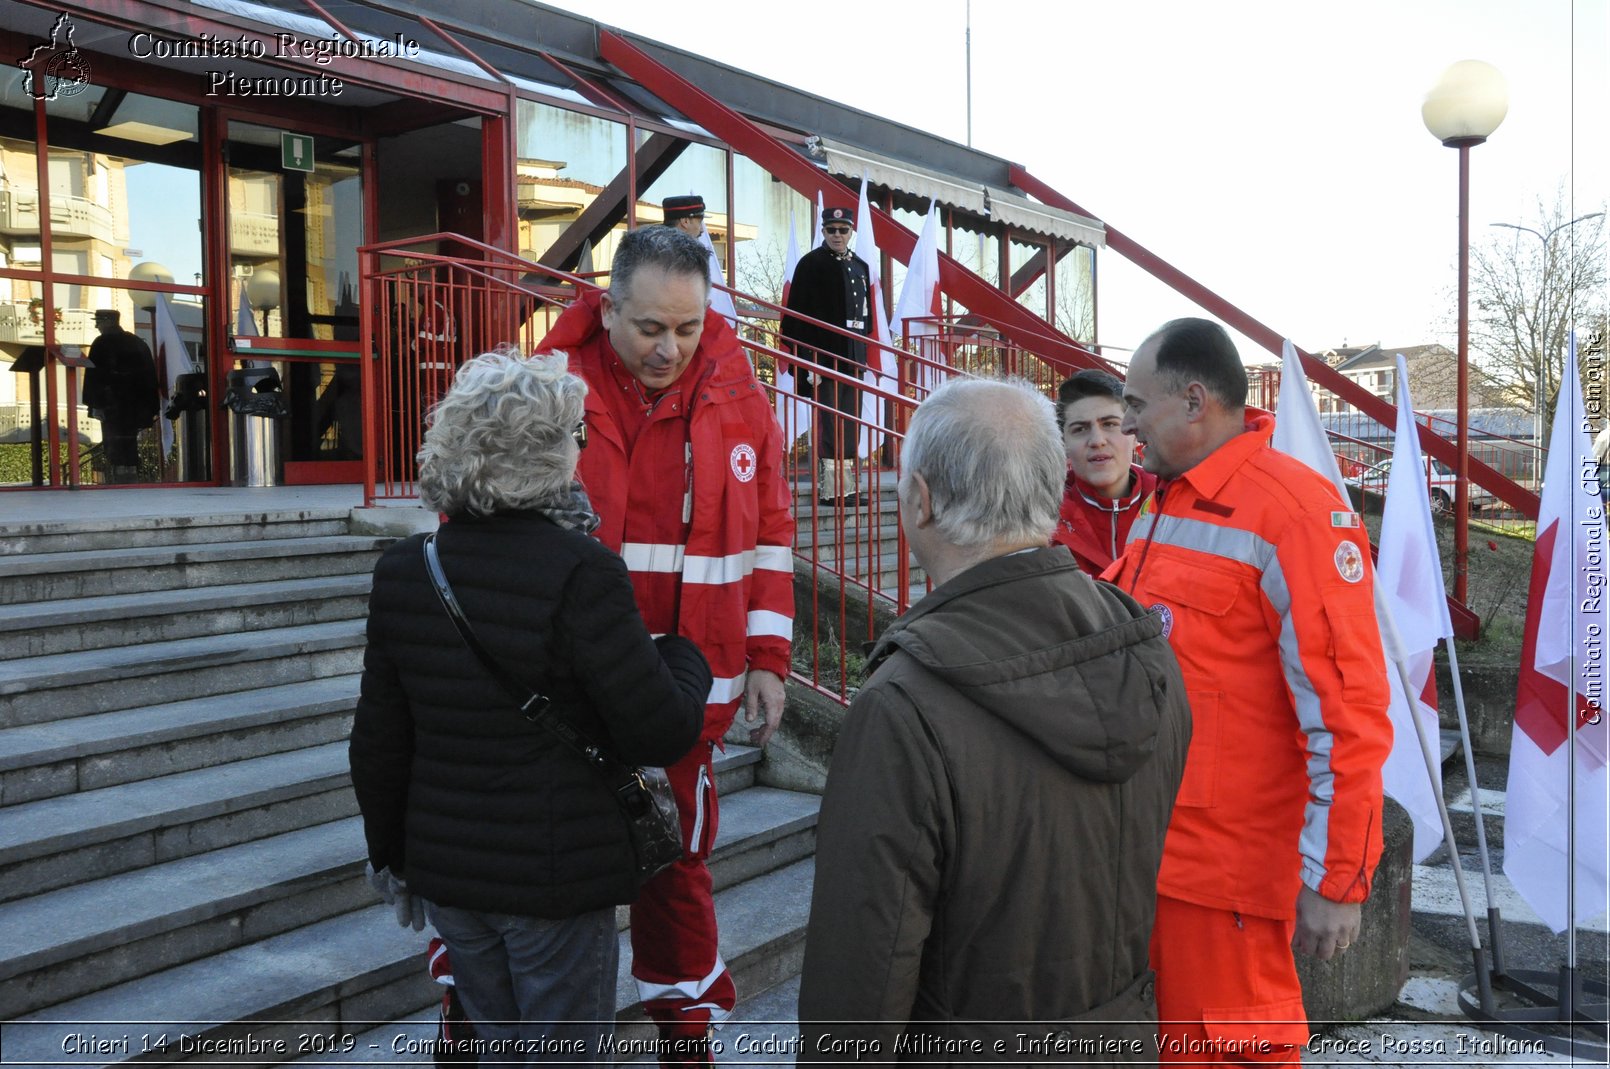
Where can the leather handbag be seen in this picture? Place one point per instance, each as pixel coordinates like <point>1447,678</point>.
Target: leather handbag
<point>643,794</point>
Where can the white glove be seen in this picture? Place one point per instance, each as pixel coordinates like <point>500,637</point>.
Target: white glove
<point>410,909</point>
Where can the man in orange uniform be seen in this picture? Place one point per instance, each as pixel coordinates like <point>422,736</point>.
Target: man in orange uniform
<point>683,465</point>
<point>1262,577</point>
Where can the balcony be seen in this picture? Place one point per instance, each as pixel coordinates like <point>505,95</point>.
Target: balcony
<point>79,217</point>
<point>19,211</point>
<point>254,235</point>
<point>21,326</point>
<point>17,423</point>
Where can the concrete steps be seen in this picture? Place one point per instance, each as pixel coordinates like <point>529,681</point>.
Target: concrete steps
<point>57,686</point>
<point>178,834</point>
<point>105,749</point>
<point>58,842</point>
<point>54,536</point>
<point>55,627</point>
<point>344,975</point>
<point>235,920</point>
<point>84,573</point>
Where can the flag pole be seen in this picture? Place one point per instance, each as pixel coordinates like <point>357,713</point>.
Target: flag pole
<point>1478,955</point>
<point>1494,939</point>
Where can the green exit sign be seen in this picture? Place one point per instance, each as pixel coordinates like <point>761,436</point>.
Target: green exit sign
<point>296,152</point>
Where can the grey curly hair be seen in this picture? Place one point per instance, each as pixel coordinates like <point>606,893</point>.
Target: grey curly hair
<point>501,440</point>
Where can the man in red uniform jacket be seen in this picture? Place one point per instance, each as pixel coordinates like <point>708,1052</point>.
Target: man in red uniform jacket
<point>683,465</point>
<point>1105,488</point>
<point>1262,577</point>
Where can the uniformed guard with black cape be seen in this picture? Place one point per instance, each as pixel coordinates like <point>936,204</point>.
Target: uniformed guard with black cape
<point>832,284</point>
<point>120,390</point>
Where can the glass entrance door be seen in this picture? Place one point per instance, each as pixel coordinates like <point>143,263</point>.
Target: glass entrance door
<point>295,222</point>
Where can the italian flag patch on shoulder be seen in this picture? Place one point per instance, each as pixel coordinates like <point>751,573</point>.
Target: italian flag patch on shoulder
<point>1344,519</point>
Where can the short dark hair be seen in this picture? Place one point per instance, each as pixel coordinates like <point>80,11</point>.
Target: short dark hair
<point>656,246</point>
<point>1090,382</point>
<point>1200,349</point>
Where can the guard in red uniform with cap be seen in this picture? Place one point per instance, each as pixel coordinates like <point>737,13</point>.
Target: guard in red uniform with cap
<point>1261,575</point>
<point>683,465</point>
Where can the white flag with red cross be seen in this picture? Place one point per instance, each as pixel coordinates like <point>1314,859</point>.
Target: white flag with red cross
<point>1559,786</point>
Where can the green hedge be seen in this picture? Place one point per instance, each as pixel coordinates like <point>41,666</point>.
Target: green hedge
<point>16,465</point>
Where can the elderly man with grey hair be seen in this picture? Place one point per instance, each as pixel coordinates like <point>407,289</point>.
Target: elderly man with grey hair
<point>994,815</point>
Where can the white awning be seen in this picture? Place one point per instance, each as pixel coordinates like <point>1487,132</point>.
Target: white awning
<point>1021,213</point>
<point>1013,209</point>
<point>907,178</point>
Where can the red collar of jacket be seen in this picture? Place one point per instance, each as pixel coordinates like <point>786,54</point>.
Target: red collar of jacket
<point>1209,476</point>
<point>1142,483</point>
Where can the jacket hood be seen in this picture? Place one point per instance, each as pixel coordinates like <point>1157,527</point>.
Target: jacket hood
<point>1075,665</point>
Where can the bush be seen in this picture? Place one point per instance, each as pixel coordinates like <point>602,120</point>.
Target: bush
<point>16,465</point>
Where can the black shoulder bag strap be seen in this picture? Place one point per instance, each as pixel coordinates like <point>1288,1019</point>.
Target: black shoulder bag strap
<point>533,704</point>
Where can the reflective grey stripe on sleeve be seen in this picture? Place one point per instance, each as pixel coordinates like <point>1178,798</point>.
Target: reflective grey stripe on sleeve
<point>1311,718</point>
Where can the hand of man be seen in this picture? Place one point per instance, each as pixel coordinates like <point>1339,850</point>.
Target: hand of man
<point>1324,927</point>
<point>409,909</point>
<point>763,704</point>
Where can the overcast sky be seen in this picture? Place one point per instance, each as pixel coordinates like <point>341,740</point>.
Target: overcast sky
<point>1272,149</point>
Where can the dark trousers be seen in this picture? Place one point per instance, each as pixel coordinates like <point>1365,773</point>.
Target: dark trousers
<point>836,436</point>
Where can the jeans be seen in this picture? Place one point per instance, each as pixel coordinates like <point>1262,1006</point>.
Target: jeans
<point>548,984</point>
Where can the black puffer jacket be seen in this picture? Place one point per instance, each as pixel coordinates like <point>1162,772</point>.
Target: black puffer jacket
<point>461,796</point>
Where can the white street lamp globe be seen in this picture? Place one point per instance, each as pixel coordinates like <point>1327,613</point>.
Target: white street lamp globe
<point>1467,103</point>
<point>148,271</point>
<point>263,288</point>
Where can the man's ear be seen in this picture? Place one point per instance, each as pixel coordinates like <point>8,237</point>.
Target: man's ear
<point>606,306</point>
<point>1196,401</point>
<point>923,499</point>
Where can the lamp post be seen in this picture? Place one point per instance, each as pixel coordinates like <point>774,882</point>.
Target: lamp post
<point>1462,110</point>
<point>263,292</point>
<point>1540,385</point>
<point>146,300</point>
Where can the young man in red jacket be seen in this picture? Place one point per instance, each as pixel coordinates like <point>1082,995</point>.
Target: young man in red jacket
<point>1106,488</point>
<point>683,465</point>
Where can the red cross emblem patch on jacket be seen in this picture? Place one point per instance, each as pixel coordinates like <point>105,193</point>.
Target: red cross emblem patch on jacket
<point>743,461</point>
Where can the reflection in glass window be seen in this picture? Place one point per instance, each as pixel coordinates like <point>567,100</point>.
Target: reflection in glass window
<point>1028,276</point>
<point>1076,294</point>
<point>332,219</point>
<point>763,209</point>
<point>980,253</point>
<point>125,182</point>
<point>699,169</point>
<point>20,243</point>
<point>254,247</point>
<point>566,161</point>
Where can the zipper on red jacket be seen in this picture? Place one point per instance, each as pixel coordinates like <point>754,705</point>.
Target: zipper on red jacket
<point>1157,496</point>
<point>687,491</point>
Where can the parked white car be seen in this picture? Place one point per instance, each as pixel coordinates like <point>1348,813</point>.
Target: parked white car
<point>1440,479</point>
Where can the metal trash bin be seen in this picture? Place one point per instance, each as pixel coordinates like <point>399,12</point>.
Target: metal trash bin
<point>257,428</point>
<point>192,445</point>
